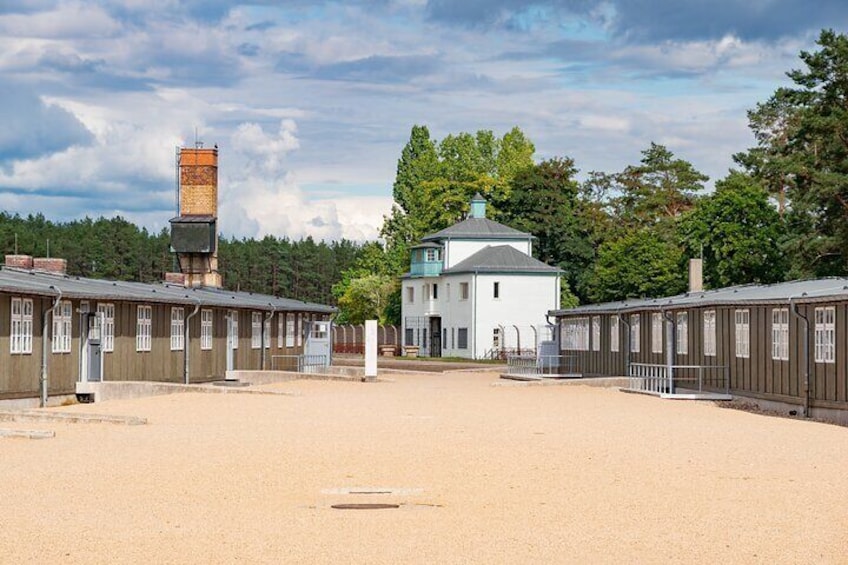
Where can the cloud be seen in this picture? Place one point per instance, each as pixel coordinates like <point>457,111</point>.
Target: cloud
<point>32,128</point>
<point>652,20</point>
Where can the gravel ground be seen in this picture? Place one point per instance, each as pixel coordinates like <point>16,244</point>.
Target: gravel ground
<point>481,474</point>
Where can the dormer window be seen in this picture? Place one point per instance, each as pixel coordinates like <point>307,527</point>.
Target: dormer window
<point>432,255</point>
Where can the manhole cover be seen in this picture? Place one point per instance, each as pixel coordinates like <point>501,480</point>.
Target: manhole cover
<point>364,506</point>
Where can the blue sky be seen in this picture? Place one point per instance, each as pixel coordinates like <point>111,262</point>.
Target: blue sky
<point>311,102</point>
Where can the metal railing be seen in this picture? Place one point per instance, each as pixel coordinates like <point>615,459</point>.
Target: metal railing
<point>655,378</point>
<point>542,365</point>
<point>299,363</point>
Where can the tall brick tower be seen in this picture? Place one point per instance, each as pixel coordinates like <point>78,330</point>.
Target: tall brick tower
<point>194,236</point>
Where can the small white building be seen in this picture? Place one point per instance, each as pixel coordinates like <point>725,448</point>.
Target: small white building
<point>474,290</point>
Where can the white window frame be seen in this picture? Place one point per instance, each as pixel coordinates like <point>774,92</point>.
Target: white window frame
<point>62,317</point>
<point>20,335</point>
<point>682,333</point>
<point>234,323</point>
<point>281,324</point>
<point>709,320</point>
<point>143,327</point>
<point>266,336</point>
<point>106,317</point>
<point>596,333</point>
<point>410,295</point>
<point>177,328</point>
<point>463,291</point>
<point>742,332</point>
<point>431,255</point>
<point>207,318</point>
<point>656,332</point>
<point>615,334</point>
<point>825,334</point>
<point>575,333</point>
<point>255,330</point>
<point>299,330</point>
<point>289,330</point>
<point>635,333</point>
<point>780,334</point>
<point>460,333</point>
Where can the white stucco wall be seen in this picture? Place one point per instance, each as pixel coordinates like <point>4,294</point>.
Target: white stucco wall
<point>457,251</point>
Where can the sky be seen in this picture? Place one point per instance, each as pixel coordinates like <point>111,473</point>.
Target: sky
<point>311,102</point>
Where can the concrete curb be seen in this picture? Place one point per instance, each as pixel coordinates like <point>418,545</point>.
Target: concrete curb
<point>68,418</point>
<point>27,434</point>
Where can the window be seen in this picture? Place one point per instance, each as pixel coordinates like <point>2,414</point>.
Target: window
<point>614,334</point>
<point>107,330</point>
<point>409,336</point>
<point>575,333</point>
<point>463,291</point>
<point>266,335</point>
<point>635,332</point>
<point>20,338</point>
<point>709,333</point>
<point>410,295</point>
<point>289,330</point>
<point>206,329</point>
<point>62,327</point>
<point>496,338</point>
<point>453,338</point>
<point>462,338</point>
<point>177,328</point>
<point>825,334</point>
<point>447,291</point>
<point>255,330</point>
<point>780,334</point>
<point>425,291</point>
<point>299,332</point>
<point>682,336</point>
<point>656,332</point>
<point>432,255</point>
<point>496,290</point>
<point>596,333</point>
<point>435,291</point>
<point>281,320</point>
<point>234,316</point>
<point>743,333</point>
<point>143,328</point>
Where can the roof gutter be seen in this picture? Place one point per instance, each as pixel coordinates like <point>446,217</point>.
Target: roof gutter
<point>52,311</point>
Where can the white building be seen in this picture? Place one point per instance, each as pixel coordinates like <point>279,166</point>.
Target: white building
<point>474,290</point>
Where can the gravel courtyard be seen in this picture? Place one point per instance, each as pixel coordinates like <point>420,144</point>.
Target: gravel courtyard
<point>483,471</point>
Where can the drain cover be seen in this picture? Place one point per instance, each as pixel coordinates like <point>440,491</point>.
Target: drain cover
<point>364,506</point>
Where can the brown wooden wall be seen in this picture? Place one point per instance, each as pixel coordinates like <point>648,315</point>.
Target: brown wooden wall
<point>20,373</point>
<point>757,375</point>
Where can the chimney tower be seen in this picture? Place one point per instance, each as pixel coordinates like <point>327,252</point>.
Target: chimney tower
<point>194,235</point>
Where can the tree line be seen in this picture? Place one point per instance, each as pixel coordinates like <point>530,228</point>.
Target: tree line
<point>781,213</point>
<point>114,248</point>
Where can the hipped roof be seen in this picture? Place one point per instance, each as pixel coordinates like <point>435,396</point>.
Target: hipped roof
<point>49,284</point>
<point>500,259</point>
<point>816,290</point>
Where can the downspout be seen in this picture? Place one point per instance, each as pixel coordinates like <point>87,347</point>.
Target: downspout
<point>474,319</point>
<point>669,354</point>
<point>623,319</point>
<point>186,336</point>
<point>52,310</point>
<point>266,325</point>
<point>793,307</point>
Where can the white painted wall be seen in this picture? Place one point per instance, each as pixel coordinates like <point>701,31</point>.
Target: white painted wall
<point>524,301</point>
<point>457,251</point>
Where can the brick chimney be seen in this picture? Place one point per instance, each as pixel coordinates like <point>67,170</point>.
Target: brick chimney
<point>50,265</point>
<point>175,278</point>
<point>696,275</point>
<point>19,261</point>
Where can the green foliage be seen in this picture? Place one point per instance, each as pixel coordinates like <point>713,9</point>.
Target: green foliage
<point>116,249</point>
<point>739,232</point>
<point>367,298</point>
<point>645,262</point>
<point>802,153</point>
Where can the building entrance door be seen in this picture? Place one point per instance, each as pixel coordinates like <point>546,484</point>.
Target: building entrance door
<point>435,337</point>
<point>92,360</point>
